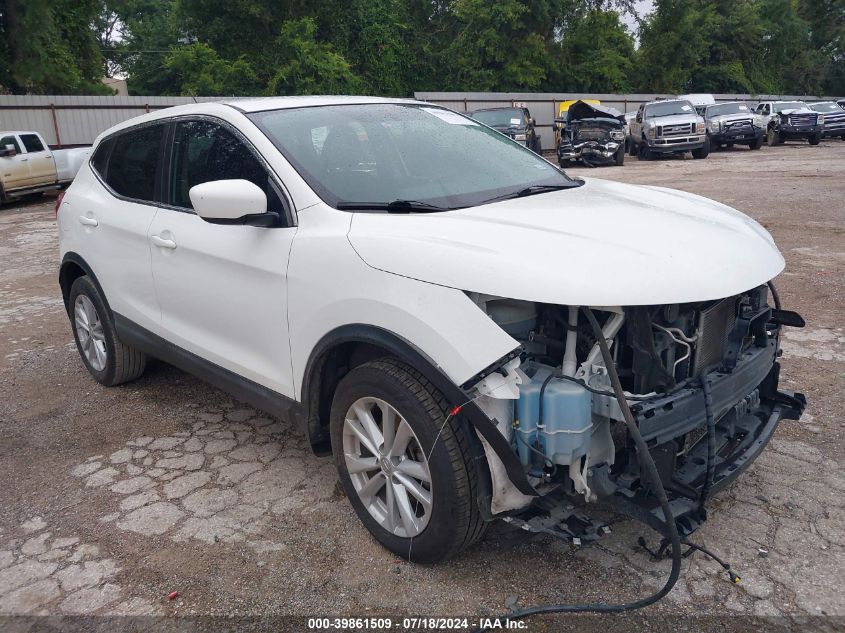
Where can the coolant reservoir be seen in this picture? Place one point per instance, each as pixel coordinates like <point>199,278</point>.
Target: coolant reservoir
<point>563,435</point>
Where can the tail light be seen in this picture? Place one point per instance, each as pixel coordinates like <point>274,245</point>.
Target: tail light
<point>59,198</point>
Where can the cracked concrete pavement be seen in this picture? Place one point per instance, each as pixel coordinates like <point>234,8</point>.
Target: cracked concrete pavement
<point>114,498</point>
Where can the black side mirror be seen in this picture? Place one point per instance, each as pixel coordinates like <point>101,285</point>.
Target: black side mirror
<point>9,150</point>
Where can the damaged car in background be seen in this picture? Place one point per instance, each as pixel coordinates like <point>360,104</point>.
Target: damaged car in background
<point>593,134</point>
<point>470,332</point>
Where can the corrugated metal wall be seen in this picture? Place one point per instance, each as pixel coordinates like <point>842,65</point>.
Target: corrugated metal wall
<point>544,105</point>
<point>75,120</point>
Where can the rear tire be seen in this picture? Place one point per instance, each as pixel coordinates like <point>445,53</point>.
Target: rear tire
<point>104,355</point>
<point>632,148</point>
<point>439,447</point>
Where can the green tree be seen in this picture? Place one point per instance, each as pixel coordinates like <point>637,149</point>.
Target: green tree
<point>493,47</point>
<point>199,71</point>
<point>595,53</point>
<point>826,22</point>
<point>48,47</point>
<point>673,41</point>
<point>302,65</point>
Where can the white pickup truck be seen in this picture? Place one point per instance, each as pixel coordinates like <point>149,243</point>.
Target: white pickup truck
<point>28,165</point>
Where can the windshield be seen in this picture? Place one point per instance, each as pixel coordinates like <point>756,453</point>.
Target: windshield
<point>788,105</point>
<point>507,117</point>
<point>388,152</point>
<point>727,108</point>
<point>826,107</point>
<point>668,108</point>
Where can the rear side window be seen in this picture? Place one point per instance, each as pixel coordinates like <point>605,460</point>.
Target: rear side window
<point>99,160</point>
<point>32,143</point>
<point>133,162</point>
<point>204,151</point>
<point>10,140</point>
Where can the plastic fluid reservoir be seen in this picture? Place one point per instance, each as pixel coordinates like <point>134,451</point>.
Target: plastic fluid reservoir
<point>527,412</point>
<point>566,429</point>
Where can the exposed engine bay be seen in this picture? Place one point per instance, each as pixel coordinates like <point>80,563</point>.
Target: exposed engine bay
<point>555,405</point>
<point>593,134</point>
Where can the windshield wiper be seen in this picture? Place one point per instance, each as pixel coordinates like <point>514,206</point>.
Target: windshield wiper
<point>394,206</point>
<point>530,191</point>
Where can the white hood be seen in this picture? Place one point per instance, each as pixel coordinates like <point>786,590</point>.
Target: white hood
<point>602,244</point>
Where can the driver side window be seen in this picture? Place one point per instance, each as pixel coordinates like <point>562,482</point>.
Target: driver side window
<point>10,140</point>
<point>204,151</point>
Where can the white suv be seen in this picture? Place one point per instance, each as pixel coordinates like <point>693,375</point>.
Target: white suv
<point>405,283</point>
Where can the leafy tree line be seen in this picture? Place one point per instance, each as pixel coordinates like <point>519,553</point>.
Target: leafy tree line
<point>394,47</point>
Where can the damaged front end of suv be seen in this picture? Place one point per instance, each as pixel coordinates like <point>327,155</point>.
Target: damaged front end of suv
<point>701,379</point>
<point>593,134</point>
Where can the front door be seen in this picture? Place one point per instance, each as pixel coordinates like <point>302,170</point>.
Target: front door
<point>15,169</point>
<point>222,288</point>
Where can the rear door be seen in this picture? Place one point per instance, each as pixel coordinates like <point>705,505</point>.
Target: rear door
<point>15,169</point>
<point>222,288</point>
<point>42,169</point>
<point>112,219</point>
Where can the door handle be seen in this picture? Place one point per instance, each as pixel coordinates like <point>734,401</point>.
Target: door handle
<point>23,160</point>
<point>84,219</point>
<point>163,243</point>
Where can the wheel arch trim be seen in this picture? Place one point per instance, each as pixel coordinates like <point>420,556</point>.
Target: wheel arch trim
<point>407,352</point>
<point>74,259</point>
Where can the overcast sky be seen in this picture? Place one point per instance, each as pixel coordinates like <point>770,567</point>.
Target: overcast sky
<point>643,7</point>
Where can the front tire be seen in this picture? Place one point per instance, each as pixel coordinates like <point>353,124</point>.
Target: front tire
<point>773,137</point>
<point>815,139</point>
<point>620,156</point>
<point>104,355</point>
<point>405,463</point>
<point>644,153</point>
<point>757,143</point>
<point>701,152</point>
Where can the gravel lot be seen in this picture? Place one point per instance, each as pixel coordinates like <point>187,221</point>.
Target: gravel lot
<point>113,498</point>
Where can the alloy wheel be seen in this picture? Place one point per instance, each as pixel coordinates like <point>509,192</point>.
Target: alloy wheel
<point>388,467</point>
<point>89,331</point>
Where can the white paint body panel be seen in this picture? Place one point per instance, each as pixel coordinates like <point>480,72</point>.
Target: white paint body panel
<point>329,286</point>
<point>601,244</point>
<point>69,162</point>
<point>222,294</point>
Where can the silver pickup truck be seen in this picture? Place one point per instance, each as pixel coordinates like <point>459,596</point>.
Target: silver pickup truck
<point>733,123</point>
<point>28,165</point>
<point>667,127</point>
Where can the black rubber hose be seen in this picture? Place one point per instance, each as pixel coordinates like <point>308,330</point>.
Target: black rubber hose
<point>711,441</point>
<point>775,295</point>
<point>659,491</point>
